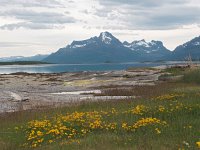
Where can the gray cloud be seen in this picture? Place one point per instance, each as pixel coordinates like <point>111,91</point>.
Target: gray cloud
<point>112,14</point>
<point>31,3</point>
<point>26,25</point>
<point>39,17</point>
<point>36,20</point>
<point>150,14</point>
<point>35,14</point>
<point>162,19</point>
<point>144,3</point>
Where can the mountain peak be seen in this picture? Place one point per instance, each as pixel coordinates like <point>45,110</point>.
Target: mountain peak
<point>190,48</point>
<point>106,37</point>
<point>192,43</point>
<point>106,33</point>
<point>153,42</point>
<point>83,43</point>
<point>141,43</point>
<point>145,47</point>
<point>126,43</point>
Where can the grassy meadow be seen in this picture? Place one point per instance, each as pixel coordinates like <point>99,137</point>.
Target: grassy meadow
<point>162,117</point>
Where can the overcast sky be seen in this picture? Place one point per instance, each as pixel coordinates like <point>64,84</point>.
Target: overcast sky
<point>29,27</point>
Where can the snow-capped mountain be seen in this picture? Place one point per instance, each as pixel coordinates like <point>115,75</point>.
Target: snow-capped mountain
<point>153,50</point>
<point>146,47</point>
<point>104,48</point>
<point>107,48</point>
<point>190,48</point>
<point>109,39</point>
<point>136,44</point>
<point>84,43</point>
<point>104,38</point>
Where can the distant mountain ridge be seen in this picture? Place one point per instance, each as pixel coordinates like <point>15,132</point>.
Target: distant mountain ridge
<point>190,48</point>
<point>154,49</point>
<point>104,48</point>
<point>38,57</point>
<point>107,48</point>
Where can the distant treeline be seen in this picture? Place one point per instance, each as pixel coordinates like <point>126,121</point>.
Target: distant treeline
<point>23,63</point>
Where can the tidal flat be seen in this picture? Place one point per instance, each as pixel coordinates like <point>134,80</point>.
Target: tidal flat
<point>22,91</point>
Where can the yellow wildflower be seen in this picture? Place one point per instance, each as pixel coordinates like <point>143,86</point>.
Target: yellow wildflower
<point>198,144</point>
<point>157,131</point>
<point>39,133</point>
<point>50,141</point>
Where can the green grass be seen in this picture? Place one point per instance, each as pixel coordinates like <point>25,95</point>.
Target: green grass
<point>192,76</point>
<point>183,125</point>
<point>176,70</point>
<point>173,73</point>
<point>181,102</point>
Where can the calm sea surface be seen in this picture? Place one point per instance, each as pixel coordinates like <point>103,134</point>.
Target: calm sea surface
<point>56,68</point>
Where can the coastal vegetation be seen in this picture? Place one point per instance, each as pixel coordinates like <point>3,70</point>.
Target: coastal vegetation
<point>164,116</point>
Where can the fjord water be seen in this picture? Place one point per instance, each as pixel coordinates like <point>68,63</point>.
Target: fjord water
<point>57,68</point>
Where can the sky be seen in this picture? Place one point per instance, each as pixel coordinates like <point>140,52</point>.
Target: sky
<point>30,27</point>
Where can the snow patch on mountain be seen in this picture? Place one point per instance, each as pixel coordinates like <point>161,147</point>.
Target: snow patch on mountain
<point>137,45</point>
<point>196,43</point>
<point>142,43</point>
<point>78,46</point>
<point>145,47</point>
<point>106,37</point>
<point>152,43</point>
<point>84,43</point>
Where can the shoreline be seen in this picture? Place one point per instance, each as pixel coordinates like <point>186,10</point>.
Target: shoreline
<point>23,91</point>
<point>78,68</point>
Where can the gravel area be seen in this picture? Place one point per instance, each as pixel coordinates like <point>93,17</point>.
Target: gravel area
<point>21,91</point>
